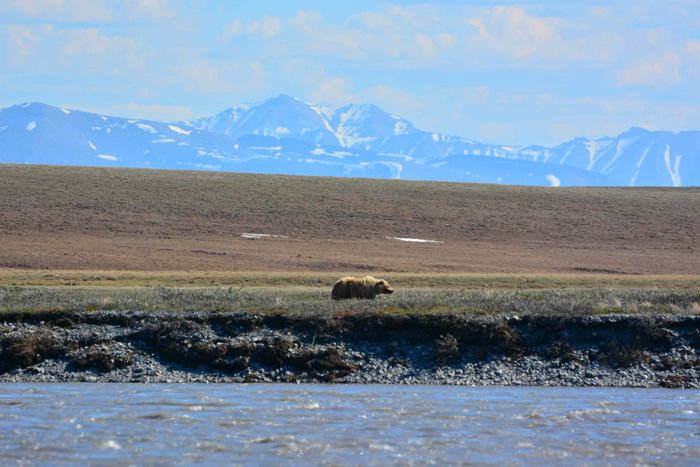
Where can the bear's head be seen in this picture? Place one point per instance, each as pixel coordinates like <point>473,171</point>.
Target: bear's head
<point>383,286</point>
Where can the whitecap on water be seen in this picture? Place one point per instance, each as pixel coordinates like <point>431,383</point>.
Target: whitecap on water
<point>111,444</point>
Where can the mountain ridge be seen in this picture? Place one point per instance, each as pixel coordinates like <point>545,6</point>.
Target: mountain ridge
<point>284,134</point>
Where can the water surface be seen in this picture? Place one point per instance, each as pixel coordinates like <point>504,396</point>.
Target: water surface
<point>353,424</point>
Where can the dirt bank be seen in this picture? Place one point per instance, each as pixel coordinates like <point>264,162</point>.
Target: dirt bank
<point>609,350</point>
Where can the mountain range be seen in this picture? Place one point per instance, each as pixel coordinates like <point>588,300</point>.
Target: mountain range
<point>288,136</point>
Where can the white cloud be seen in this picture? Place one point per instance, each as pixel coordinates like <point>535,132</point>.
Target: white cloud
<point>82,11</point>
<point>61,10</point>
<point>268,26</point>
<point>22,41</point>
<point>150,9</point>
<point>692,50</point>
<point>232,29</point>
<point>657,72</point>
<point>392,99</point>
<point>399,33</point>
<point>223,79</point>
<point>331,90</point>
<point>307,21</point>
<point>425,45</point>
<point>84,50</point>
<point>513,32</point>
<point>425,36</point>
<point>375,20</point>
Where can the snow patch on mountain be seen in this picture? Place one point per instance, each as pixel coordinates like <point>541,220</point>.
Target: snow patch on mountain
<point>395,168</point>
<point>553,180</point>
<point>674,171</point>
<point>147,128</point>
<point>179,130</point>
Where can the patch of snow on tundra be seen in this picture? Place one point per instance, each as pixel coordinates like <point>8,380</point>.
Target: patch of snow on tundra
<point>414,240</point>
<point>107,157</point>
<point>30,126</point>
<point>260,236</point>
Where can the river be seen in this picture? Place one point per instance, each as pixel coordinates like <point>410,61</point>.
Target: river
<point>345,424</point>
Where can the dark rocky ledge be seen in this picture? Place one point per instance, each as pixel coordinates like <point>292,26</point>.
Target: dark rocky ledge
<point>606,350</point>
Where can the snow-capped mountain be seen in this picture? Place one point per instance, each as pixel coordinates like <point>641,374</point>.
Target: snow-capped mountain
<point>363,125</point>
<point>287,135</point>
<point>280,117</point>
<point>636,157</point>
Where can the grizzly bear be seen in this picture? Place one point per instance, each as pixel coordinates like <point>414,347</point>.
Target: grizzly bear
<point>360,287</point>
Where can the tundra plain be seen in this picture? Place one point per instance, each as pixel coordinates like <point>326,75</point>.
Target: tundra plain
<point>98,219</point>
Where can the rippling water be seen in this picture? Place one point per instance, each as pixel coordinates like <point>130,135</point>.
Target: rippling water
<point>267,424</point>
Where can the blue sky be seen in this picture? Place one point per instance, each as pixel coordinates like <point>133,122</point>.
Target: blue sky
<point>533,72</point>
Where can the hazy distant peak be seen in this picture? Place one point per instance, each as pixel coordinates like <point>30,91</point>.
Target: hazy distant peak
<point>287,135</point>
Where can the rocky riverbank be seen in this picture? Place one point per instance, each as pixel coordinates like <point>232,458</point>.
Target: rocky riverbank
<point>106,346</point>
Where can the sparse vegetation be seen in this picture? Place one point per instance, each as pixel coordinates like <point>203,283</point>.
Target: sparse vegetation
<point>316,301</point>
<point>466,281</point>
<point>137,220</point>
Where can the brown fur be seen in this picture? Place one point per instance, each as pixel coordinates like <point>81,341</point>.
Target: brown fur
<point>360,287</point>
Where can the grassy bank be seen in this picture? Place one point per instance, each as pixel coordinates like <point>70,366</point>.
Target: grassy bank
<point>470,281</point>
<point>304,300</point>
<point>308,292</point>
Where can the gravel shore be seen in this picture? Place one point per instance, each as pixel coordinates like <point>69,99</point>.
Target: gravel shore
<point>105,346</point>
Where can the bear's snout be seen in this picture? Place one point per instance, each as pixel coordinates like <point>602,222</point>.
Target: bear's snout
<point>389,290</point>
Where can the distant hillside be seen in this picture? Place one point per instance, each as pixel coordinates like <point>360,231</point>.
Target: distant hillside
<point>102,218</point>
<point>288,136</point>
